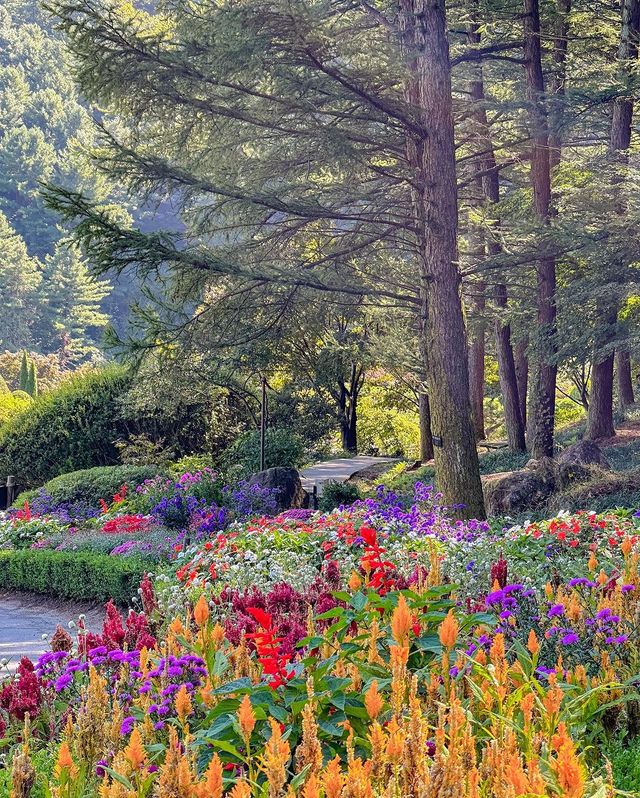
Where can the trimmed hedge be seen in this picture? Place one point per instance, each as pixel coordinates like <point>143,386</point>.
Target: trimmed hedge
<point>80,576</point>
<point>92,484</point>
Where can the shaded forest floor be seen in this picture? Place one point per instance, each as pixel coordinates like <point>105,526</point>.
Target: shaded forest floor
<point>619,487</point>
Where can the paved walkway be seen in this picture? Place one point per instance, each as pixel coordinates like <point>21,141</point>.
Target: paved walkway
<point>338,470</point>
<point>24,619</point>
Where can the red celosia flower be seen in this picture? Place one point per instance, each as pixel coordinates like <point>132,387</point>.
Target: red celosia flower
<point>147,595</point>
<point>23,694</point>
<point>499,572</point>
<point>382,573</point>
<point>274,663</point>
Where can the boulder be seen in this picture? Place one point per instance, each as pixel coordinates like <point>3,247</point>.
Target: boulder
<point>518,491</point>
<point>584,453</point>
<point>286,483</point>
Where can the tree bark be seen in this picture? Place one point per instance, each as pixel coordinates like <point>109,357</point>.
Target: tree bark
<point>600,420</point>
<point>490,190</point>
<point>424,416</point>
<point>432,156</point>
<point>544,386</point>
<point>508,378</point>
<point>521,357</point>
<point>476,364</point>
<point>625,382</point>
<point>558,80</point>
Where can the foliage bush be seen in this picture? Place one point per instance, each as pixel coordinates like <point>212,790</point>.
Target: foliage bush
<point>336,493</point>
<point>71,428</point>
<point>80,576</point>
<point>282,448</point>
<point>91,484</point>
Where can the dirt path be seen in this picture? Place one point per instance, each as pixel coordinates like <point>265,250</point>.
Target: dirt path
<point>26,618</point>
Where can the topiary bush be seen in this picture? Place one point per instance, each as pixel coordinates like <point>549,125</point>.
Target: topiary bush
<point>91,484</point>
<point>242,458</point>
<point>336,493</point>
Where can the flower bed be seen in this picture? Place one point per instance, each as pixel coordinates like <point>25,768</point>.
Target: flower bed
<point>380,650</point>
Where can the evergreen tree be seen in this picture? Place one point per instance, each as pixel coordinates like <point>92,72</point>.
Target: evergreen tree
<point>325,143</point>
<point>23,379</point>
<point>20,280</point>
<point>32,383</point>
<point>70,304</point>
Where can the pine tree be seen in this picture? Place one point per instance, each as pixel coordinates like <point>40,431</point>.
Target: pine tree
<point>32,383</point>
<point>70,304</point>
<point>19,283</point>
<point>23,379</point>
<point>325,142</point>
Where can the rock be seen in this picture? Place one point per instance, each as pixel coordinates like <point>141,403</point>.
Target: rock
<point>584,453</point>
<point>568,474</point>
<point>286,481</point>
<point>518,491</point>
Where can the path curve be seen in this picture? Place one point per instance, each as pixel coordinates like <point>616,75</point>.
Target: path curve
<point>25,618</point>
<point>338,470</point>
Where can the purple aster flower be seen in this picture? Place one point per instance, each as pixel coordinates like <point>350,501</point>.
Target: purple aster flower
<point>569,638</point>
<point>556,611</point>
<point>127,725</point>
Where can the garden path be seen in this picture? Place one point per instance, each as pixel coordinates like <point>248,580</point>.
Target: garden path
<point>338,470</point>
<point>24,619</point>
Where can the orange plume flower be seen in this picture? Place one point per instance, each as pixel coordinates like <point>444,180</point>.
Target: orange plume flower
<point>373,700</point>
<point>401,622</point>
<point>448,631</point>
<point>246,716</point>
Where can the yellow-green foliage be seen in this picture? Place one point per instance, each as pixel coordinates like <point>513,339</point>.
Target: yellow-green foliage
<point>385,424</point>
<point>11,404</point>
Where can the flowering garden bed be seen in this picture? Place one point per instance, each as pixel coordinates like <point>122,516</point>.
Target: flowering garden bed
<point>379,650</point>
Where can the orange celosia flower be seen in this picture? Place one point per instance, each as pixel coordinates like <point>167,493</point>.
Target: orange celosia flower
<point>593,562</point>
<point>176,627</point>
<point>626,546</point>
<point>373,700</point>
<point>311,788</point>
<point>448,631</point>
<point>354,582</point>
<point>184,707</point>
<point>401,622</point>
<point>211,786</point>
<point>532,643</point>
<point>64,763</point>
<point>241,790</point>
<point>134,751</point>
<point>333,779</point>
<point>201,611</point>
<point>246,716</point>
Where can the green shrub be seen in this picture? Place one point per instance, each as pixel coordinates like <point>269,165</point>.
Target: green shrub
<point>73,427</point>
<point>190,463</point>
<point>92,484</point>
<point>80,576</point>
<point>625,762</point>
<point>336,493</point>
<point>242,458</point>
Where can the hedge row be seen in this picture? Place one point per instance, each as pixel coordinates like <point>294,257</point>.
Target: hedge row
<point>81,576</point>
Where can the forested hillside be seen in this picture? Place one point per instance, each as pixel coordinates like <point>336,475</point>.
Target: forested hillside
<point>49,302</point>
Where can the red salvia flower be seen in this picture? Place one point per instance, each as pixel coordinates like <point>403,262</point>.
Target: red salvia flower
<point>274,662</point>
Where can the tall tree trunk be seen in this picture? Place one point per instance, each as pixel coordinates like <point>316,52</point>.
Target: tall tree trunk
<point>600,420</point>
<point>490,190</point>
<point>625,383</point>
<point>521,357</point>
<point>432,156</point>
<point>476,363</point>
<point>558,80</point>
<point>544,385</point>
<point>424,416</point>
<point>508,379</point>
